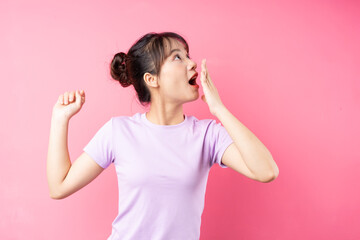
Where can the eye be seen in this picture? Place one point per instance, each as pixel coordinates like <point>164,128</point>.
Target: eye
<point>177,55</point>
<point>188,57</point>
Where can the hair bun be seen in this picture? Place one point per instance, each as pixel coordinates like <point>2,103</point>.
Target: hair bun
<point>118,69</point>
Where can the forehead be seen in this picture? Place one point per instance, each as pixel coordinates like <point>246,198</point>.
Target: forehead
<point>171,44</point>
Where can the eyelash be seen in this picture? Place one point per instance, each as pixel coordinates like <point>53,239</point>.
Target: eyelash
<point>177,55</point>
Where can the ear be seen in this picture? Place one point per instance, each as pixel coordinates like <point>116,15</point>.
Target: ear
<point>151,80</point>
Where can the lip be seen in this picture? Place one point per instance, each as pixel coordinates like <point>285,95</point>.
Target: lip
<point>195,86</point>
<point>195,75</point>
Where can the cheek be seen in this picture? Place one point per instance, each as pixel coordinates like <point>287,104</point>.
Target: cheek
<point>174,86</point>
<point>174,78</point>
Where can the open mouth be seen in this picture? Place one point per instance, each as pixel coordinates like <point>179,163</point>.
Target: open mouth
<point>192,81</point>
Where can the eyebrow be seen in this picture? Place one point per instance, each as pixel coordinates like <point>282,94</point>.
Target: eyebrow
<point>174,50</point>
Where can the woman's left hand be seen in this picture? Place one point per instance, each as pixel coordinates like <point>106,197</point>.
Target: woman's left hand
<point>211,97</point>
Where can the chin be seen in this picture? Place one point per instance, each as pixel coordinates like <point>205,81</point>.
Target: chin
<point>194,98</point>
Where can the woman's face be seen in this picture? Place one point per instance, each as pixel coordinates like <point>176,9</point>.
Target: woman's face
<point>175,74</point>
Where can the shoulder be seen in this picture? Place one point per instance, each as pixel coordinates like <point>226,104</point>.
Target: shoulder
<point>126,119</point>
<point>203,125</point>
<point>203,122</point>
<point>126,123</point>
<point>200,122</point>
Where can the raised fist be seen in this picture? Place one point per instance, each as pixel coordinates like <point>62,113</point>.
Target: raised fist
<point>68,104</point>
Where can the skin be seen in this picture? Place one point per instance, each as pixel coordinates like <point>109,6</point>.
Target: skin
<point>65,178</point>
<point>169,91</point>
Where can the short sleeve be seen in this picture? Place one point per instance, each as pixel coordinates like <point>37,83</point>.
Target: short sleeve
<point>100,147</point>
<point>219,141</point>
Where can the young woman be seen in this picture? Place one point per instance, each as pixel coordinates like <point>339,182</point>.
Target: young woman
<point>162,157</point>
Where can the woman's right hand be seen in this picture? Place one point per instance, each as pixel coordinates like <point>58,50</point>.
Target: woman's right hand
<point>68,104</point>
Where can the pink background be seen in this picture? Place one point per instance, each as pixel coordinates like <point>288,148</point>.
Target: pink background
<point>288,70</point>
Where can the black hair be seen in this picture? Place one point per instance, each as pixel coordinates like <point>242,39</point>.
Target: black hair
<point>147,54</point>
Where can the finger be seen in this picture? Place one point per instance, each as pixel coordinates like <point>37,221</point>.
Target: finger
<point>66,98</point>
<point>203,98</point>
<point>82,93</point>
<point>208,78</point>
<point>71,96</point>
<point>203,64</point>
<point>204,68</point>
<point>61,99</point>
<point>203,78</point>
<point>78,98</point>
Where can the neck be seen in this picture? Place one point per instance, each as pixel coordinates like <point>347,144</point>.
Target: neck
<point>165,114</point>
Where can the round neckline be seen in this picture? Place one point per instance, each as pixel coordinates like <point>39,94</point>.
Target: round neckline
<point>159,126</point>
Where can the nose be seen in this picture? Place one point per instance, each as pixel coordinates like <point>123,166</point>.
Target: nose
<point>192,65</point>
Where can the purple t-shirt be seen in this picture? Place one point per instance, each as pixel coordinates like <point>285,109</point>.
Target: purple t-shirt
<point>162,172</point>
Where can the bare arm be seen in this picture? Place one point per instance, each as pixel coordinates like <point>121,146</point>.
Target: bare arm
<point>249,152</point>
<point>247,155</point>
<point>63,177</point>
